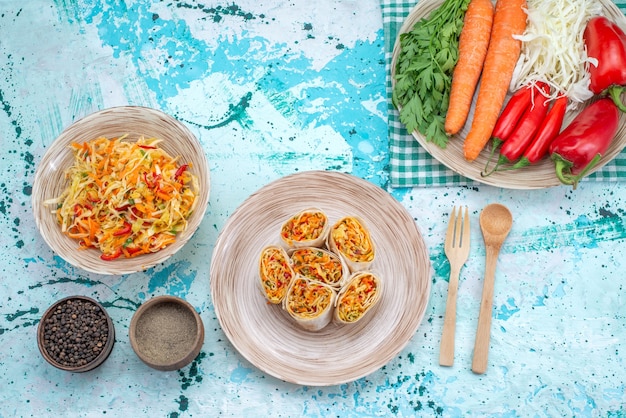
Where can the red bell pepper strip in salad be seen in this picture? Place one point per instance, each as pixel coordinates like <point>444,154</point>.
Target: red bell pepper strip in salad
<point>549,129</point>
<point>112,256</point>
<point>124,230</point>
<point>606,42</point>
<point>581,145</point>
<point>180,171</point>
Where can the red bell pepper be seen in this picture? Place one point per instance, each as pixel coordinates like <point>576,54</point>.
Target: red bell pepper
<point>606,42</point>
<point>584,141</point>
<point>528,125</point>
<point>125,229</point>
<point>112,256</point>
<point>513,111</point>
<point>153,182</point>
<point>181,170</point>
<point>549,129</point>
<point>524,131</point>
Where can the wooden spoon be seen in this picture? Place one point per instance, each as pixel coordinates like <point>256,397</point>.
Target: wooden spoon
<point>495,223</point>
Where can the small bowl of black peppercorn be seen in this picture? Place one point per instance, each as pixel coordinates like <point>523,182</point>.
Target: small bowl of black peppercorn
<point>76,334</point>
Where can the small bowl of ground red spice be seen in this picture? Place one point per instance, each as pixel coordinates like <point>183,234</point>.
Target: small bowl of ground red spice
<point>76,334</point>
<point>166,333</point>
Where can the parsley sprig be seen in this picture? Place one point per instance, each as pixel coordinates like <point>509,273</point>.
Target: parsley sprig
<point>428,54</point>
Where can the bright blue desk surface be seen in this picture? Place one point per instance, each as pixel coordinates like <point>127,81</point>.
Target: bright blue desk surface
<point>272,88</point>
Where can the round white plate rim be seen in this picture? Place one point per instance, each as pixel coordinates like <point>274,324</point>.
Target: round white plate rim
<point>320,373</point>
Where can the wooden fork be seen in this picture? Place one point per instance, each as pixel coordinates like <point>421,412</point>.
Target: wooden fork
<point>457,246</point>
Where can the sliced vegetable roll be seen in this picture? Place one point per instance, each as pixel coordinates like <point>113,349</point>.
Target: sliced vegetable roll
<point>319,264</point>
<point>275,273</point>
<point>357,297</point>
<point>350,238</point>
<point>307,228</point>
<point>310,303</point>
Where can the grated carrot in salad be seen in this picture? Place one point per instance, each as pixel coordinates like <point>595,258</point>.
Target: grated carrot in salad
<point>308,299</point>
<point>317,264</point>
<point>357,298</point>
<point>125,198</point>
<point>275,272</point>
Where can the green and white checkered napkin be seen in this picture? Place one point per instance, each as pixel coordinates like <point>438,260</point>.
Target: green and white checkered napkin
<point>410,164</point>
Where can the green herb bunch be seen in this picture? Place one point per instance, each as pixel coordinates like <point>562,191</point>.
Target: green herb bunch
<point>428,55</point>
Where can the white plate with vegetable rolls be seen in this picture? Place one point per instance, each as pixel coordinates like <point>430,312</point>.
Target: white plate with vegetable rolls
<point>536,176</point>
<point>336,352</point>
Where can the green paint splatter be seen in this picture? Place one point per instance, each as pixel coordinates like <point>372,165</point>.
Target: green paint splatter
<point>78,280</point>
<point>19,314</point>
<point>187,379</point>
<point>235,113</point>
<point>119,302</point>
<point>6,107</point>
<point>122,303</point>
<point>218,13</point>
<point>183,403</point>
<point>584,232</point>
<point>193,375</point>
<point>418,394</point>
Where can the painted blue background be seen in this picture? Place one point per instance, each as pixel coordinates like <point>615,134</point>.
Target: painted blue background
<point>272,88</point>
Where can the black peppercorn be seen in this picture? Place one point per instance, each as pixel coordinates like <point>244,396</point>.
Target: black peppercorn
<point>75,333</point>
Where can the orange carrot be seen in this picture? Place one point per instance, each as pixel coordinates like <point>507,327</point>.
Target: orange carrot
<point>502,55</point>
<point>473,44</point>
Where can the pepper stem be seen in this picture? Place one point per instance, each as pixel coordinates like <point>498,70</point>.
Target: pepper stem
<point>495,144</point>
<point>589,166</point>
<point>564,169</point>
<point>615,92</point>
<point>523,162</point>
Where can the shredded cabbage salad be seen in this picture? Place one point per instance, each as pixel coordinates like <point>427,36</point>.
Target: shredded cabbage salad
<point>553,49</point>
<point>125,198</point>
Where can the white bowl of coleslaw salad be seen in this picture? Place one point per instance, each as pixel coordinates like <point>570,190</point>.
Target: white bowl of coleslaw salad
<point>121,190</point>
